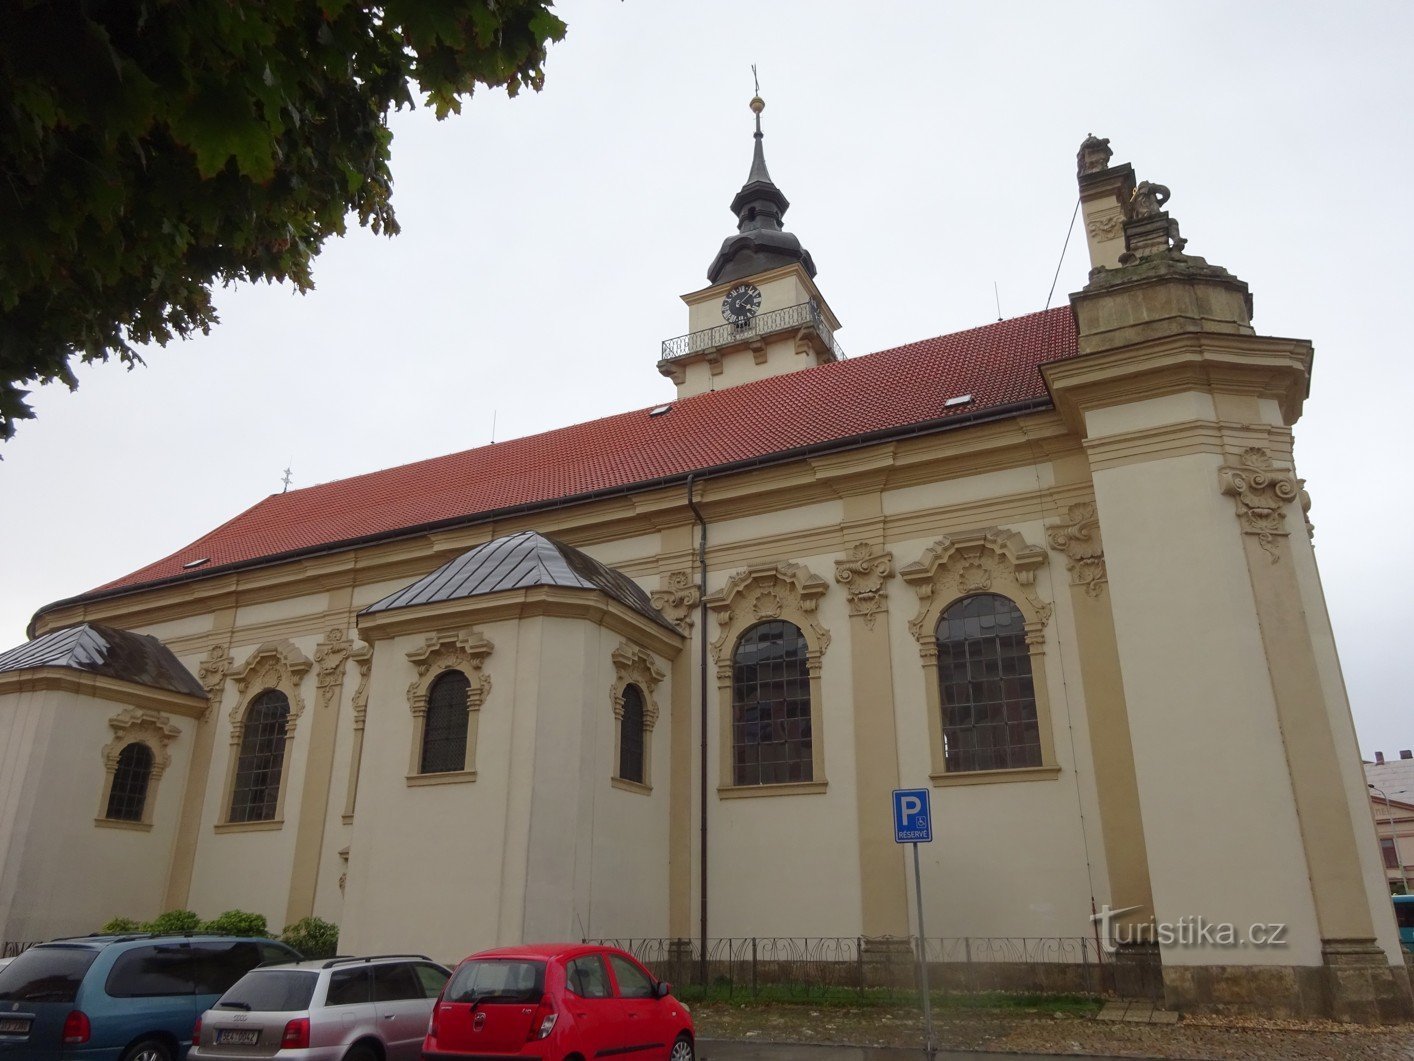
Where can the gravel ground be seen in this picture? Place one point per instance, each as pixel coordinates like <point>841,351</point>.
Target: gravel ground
<point>1041,1032</point>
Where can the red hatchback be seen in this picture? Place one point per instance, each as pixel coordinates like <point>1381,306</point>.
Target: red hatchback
<point>557,1001</point>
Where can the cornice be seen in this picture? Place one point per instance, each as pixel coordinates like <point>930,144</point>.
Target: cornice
<point>1252,365</point>
<point>101,687</point>
<point>513,605</point>
<point>895,463</point>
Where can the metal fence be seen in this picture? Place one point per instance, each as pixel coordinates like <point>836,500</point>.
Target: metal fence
<point>807,965</point>
<point>806,313</point>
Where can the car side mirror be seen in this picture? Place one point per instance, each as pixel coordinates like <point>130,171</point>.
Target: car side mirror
<point>662,989</point>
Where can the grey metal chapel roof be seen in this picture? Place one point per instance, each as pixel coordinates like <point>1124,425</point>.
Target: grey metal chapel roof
<point>105,650</point>
<point>519,561</point>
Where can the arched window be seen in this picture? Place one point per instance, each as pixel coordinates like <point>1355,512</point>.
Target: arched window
<point>771,737</point>
<point>984,676</point>
<point>444,732</point>
<point>631,736</point>
<point>127,796</point>
<point>256,795</point>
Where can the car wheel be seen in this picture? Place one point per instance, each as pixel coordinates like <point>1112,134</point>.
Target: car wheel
<point>149,1050</point>
<point>360,1052</point>
<point>682,1049</point>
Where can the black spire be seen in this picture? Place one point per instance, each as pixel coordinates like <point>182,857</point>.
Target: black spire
<point>760,243</point>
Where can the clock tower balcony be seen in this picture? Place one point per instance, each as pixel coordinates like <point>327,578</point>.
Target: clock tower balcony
<point>781,336</point>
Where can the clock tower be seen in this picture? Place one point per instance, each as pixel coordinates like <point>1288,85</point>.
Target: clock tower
<point>761,314</point>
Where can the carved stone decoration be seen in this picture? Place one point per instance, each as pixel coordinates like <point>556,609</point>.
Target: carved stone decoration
<point>211,672</point>
<point>362,655</point>
<point>1078,536</point>
<point>465,651</point>
<point>274,665</point>
<point>134,725</point>
<point>634,666</point>
<point>863,574</point>
<point>1094,155</point>
<point>1148,230</point>
<point>679,600</point>
<point>330,655</point>
<point>1262,492</point>
<point>769,591</point>
<point>996,560</point>
<point>1106,227</point>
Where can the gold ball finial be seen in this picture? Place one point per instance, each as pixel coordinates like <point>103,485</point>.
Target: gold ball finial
<point>757,105</point>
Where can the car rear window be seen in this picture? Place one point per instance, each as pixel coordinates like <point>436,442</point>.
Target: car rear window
<point>46,974</point>
<point>497,980</point>
<point>271,991</point>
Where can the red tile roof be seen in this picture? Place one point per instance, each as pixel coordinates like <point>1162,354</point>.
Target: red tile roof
<point>889,390</point>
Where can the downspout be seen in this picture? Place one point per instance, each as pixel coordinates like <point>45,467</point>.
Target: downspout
<point>702,717</point>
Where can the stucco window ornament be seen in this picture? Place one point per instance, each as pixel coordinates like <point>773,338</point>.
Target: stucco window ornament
<point>274,665</point>
<point>678,600</point>
<point>989,561</point>
<point>211,672</point>
<point>863,574</point>
<point>768,591</point>
<point>1078,536</point>
<point>637,668</point>
<point>154,731</point>
<point>1262,492</point>
<point>784,597</point>
<point>996,563</point>
<point>466,653</point>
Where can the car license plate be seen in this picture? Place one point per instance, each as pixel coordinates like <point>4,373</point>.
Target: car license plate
<point>236,1036</point>
<point>14,1025</point>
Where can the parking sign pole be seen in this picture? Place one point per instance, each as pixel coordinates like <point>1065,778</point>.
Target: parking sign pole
<point>923,956</point>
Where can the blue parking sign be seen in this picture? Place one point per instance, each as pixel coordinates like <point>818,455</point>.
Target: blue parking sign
<point>913,821</point>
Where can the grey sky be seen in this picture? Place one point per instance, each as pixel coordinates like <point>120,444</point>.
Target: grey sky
<point>928,150</point>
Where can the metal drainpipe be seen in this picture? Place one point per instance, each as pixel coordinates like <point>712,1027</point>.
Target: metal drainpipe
<point>702,716</point>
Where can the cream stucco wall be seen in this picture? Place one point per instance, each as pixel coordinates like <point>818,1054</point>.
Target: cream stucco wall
<point>61,873</point>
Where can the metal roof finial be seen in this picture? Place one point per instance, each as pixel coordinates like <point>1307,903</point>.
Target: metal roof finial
<point>757,103</point>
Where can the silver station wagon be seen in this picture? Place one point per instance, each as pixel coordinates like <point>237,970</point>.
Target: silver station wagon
<point>335,1009</point>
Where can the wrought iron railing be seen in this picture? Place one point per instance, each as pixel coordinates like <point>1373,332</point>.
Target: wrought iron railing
<point>807,965</point>
<point>804,314</point>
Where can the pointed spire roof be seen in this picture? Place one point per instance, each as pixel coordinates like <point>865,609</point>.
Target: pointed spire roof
<point>760,243</point>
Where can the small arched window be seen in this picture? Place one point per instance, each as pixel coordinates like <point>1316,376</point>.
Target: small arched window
<point>771,732</point>
<point>988,697</point>
<point>127,796</point>
<point>631,736</point>
<point>444,731</point>
<point>256,795</point>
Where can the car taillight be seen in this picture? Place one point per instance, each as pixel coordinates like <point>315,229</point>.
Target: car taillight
<point>76,1027</point>
<point>543,1022</point>
<point>196,1032</point>
<point>296,1035</point>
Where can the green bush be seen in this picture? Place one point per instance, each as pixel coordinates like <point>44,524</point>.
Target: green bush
<point>313,937</point>
<point>174,923</point>
<point>237,923</point>
<point>120,926</point>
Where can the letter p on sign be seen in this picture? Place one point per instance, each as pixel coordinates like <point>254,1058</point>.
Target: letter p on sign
<point>913,820</point>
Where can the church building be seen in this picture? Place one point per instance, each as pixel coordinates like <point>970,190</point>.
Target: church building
<point>657,675</point>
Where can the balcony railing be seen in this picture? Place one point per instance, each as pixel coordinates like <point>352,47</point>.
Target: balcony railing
<point>804,314</point>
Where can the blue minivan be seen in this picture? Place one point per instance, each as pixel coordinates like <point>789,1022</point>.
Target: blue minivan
<point>119,998</point>
<point>1404,914</point>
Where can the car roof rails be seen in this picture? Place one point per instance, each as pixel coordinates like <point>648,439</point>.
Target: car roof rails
<point>345,960</point>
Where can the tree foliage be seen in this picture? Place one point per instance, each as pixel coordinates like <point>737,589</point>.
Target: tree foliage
<point>313,937</point>
<point>150,149</point>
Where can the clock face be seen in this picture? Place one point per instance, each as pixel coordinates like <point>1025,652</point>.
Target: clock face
<point>741,303</point>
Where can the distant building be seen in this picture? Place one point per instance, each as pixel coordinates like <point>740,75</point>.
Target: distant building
<point>657,674</point>
<point>1391,786</point>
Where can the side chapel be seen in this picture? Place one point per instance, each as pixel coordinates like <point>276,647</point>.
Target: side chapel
<point>656,675</point>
